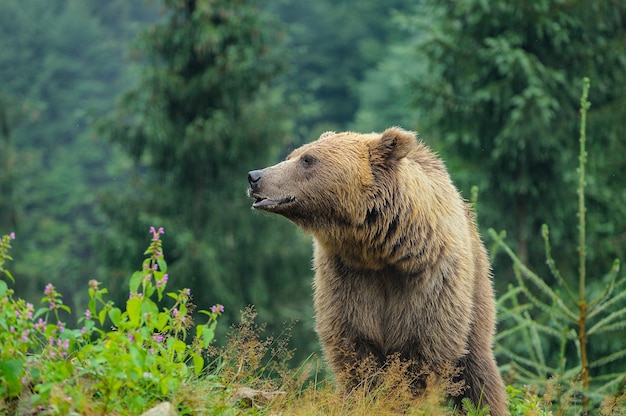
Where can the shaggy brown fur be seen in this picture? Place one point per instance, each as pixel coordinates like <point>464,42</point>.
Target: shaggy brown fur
<point>400,268</point>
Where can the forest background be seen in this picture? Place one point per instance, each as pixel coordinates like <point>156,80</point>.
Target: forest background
<point>116,116</point>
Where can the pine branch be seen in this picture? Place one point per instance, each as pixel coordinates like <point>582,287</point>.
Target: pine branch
<point>545,232</point>
<point>608,359</point>
<point>613,273</point>
<point>537,281</point>
<point>610,302</point>
<point>606,320</point>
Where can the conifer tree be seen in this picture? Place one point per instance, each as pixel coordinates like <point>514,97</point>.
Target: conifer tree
<point>203,114</point>
<point>497,83</point>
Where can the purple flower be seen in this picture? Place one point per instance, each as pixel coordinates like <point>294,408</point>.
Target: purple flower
<point>40,325</point>
<point>157,337</point>
<point>48,290</point>
<point>131,337</point>
<point>163,281</point>
<point>217,308</point>
<point>12,235</point>
<point>87,314</point>
<point>155,233</point>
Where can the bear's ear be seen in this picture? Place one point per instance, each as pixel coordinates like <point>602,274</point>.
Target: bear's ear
<point>394,144</point>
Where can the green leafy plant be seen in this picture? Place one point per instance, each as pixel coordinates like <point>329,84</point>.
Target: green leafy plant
<point>523,401</point>
<point>538,313</point>
<point>143,358</point>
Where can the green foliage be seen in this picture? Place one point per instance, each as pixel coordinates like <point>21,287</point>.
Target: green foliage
<point>143,359</point>
<point>535,313</point>
<point>524,402</point>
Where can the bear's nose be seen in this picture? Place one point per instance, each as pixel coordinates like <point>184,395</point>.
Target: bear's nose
<point>254,176</point>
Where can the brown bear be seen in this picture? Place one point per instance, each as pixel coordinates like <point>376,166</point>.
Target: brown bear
<point>399,265</point>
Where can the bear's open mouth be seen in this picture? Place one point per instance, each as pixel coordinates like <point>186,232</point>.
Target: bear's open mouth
<point>260,202</point>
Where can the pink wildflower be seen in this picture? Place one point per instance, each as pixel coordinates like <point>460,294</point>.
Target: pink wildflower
<point>163,281</point>
<point>40,325</point>
<point>48,290</point>
<point>12,235</point>
<point>155,233</point>
<point>217,308</point>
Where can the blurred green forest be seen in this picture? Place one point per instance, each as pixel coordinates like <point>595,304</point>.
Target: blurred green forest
<point>116,116</point>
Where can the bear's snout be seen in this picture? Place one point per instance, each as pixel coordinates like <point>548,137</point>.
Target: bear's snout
<point>254,176</point>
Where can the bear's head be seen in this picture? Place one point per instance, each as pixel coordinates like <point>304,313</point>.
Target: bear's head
<point>334,181</point>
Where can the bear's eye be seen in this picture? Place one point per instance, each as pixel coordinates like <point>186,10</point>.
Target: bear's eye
<point>307,160</point>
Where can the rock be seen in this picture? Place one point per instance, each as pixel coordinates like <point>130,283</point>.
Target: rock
<point>163,409</point>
